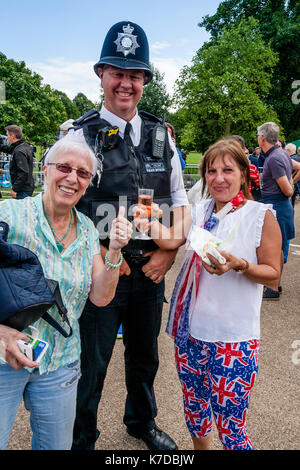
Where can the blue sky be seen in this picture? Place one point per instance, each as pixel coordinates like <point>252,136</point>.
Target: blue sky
<point>62,40</point>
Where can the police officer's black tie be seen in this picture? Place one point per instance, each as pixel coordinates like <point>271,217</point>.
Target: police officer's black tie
<point>127,137</point>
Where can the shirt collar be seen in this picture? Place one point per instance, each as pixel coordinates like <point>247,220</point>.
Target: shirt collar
<point>115,120</point>
<point>18,142</point>
<point>276,146</point>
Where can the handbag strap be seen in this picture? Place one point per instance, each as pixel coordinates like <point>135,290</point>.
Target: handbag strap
<point>54,287</point>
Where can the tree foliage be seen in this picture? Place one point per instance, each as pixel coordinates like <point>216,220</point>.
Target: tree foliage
<point>279,24</point>
<point>83,104</point>
<point>29,103</point>
<point>221,91</point>
<point>71,109</point>
<point>35,107</point>
<point>155,99</point>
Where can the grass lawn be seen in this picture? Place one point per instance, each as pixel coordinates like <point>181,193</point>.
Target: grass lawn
<point>193,158</point>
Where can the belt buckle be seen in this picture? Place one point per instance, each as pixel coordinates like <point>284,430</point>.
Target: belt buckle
<point>135,258</point>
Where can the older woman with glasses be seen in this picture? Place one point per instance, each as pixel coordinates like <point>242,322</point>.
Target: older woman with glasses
<point>67,245</point>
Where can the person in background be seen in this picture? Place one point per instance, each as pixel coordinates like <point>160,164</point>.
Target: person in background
<point>291,150</point>
<point>183,154</point>
<point>215,308</point>
<point>253,156</point>
<point>65,127</point>
<point>261,158</point>
<point>171,130</point>
<point>277,189</point>
<point>254,185</point>
<point>21,163</point>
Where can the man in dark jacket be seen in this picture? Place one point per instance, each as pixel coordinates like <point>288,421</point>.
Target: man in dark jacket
<point>21,163</point>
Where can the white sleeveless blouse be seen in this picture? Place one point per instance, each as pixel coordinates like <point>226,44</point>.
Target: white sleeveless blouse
<point>228,307</point>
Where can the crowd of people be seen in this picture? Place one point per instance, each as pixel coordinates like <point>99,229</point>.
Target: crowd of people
<point>84,230</point>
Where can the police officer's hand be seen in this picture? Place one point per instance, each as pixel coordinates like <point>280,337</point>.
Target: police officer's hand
<point>124,269</point>
<point>140,218</point>
<point>159,264</point>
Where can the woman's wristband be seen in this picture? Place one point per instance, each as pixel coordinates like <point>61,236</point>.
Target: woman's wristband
<point>111,265</point>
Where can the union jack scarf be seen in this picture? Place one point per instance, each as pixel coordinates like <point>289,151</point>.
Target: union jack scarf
<point>186,287</point>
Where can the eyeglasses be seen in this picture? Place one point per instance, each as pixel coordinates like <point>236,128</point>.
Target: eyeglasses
<point>68,169</point>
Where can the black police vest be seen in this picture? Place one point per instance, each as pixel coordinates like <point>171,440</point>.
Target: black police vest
<point>123,172</point>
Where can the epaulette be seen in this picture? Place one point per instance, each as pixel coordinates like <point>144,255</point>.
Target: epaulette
<point>151,117</point>
<point>86,117</point>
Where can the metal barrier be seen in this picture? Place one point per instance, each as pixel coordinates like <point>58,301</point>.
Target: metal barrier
<point>190,176</point>
<point>38,176</point>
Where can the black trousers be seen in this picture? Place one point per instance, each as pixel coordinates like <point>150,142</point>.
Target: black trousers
<point>138,306</point>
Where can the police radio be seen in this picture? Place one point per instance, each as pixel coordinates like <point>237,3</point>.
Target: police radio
<point>158,140</point>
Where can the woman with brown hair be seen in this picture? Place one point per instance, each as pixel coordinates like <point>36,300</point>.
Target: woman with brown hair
<point>215,308</point>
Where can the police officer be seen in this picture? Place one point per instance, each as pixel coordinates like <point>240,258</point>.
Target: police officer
<point>134,151</point>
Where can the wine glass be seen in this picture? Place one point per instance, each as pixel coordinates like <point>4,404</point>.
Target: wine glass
<point>145,199</point>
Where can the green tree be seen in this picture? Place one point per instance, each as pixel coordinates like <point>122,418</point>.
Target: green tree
<point>71,109</point>
<point>155,99</point>
<point>29,104</point>
<point>83,104</point>
<point>178,119</point>
<point>279,24</point>
<point>221,91</point>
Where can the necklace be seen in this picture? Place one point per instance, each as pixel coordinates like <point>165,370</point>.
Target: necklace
<point>212,219</point>
<point>59,245</point>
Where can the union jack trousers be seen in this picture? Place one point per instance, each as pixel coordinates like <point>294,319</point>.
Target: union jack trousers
<point>217,379</point>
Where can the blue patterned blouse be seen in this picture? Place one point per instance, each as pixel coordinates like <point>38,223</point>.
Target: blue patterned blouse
<point>72,269</point>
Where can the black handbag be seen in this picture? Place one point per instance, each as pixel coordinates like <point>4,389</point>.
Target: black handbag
<point>25,293</point>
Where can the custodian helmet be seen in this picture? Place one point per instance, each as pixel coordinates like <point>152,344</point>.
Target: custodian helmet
<point>126,47</point>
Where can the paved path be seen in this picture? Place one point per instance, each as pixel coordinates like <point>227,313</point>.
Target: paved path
<point>273,416</point>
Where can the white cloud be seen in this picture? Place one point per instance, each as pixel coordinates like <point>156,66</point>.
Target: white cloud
<point>158,45</point>
<point>75,77</point>
<point>171,68</point>
<point>69,77</point>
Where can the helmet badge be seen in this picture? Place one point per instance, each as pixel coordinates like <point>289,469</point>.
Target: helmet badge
<point>126,42</point>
